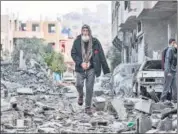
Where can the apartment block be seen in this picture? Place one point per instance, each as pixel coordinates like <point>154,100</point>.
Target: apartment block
<point>7,28</point>
<point>143,28</point>
<point>50,31</point>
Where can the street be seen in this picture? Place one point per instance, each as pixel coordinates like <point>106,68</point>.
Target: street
<point>125,50</point>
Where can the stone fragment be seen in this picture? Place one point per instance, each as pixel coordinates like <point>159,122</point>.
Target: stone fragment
<point>98,92</point>
<point>119,127</point>
<point>99,103</point>
<point>27,91</point>
<point>144,123</point>
<point>174,124</point>
<point>165,125</point>
<point>144,106</point>
<point>152,131</point>
<point>118,107</point>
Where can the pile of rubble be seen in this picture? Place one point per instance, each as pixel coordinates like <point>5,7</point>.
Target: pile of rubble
<point>31,102</point>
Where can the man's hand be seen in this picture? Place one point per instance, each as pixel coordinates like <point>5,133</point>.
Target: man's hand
<point>84,66</point>
<point>169,74</point>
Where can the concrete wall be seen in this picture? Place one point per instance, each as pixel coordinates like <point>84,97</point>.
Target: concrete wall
<point>155,35</point>
<point>7,32</point>
<point>172,26</point>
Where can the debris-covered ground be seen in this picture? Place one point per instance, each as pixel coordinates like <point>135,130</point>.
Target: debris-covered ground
<point>31,102</point>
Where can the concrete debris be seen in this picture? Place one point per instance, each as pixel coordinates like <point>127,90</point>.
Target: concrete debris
<point>165,125</point>
<point>118,107</point>
<point>99,103</point>
<point>27,91</point>
<point>34,104</point>
<point>144,106</point>
<point>144,123</point>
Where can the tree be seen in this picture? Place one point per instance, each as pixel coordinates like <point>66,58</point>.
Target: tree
<point>55,61</point>
<point>38,50</point>
<point>114,56</point>
<point>33,48</point>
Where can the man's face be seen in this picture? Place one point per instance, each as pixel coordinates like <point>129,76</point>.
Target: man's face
<point>85,32</point>
<point>174,44</point>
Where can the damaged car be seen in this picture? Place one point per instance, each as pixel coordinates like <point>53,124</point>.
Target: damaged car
<point>150,77</point>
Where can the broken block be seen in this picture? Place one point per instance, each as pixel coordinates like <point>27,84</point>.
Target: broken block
<point>99,103</point>
<point>98,92</point>
<point>27,91</point>
<point>118,107</point>
<point>144,123</point>
<point>152,131</point>
<point>144,106</point>
<point>165,125</point>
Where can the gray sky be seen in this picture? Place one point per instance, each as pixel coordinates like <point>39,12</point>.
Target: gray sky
<point>33,9</point>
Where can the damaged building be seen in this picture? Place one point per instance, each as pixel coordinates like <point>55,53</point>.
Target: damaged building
<point>141,29</point>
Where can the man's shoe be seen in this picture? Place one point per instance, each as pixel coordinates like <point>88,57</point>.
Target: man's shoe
<point>80,100</point>
<point>88,111</point>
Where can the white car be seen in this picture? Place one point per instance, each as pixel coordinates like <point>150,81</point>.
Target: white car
<point>149,77</point>
<point>69,78</point>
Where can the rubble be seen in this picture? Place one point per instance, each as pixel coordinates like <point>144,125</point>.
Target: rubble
<point>144,106</point>
<point>34,104</point>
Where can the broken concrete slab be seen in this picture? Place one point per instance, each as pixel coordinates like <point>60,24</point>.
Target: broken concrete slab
<point>155,120</point>
<point>99,123</point>
<point>119,127</point>
<point>145,123</point>
<point>158,106</point>
<point>118,107</point>
<point>27,91</point>
<point>99,103</point>
<point>144,106</point>
<point>165,125</point>
<point>98,92</point>
<point>152,131</point>
<point>174,124</point>
<point>47,130</point>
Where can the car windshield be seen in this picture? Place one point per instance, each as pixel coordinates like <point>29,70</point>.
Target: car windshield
<point>152,65</point>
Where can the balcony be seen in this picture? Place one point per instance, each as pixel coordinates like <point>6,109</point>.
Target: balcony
<point>157,9</point>
<point>128,15</point>
<point>28,34</point>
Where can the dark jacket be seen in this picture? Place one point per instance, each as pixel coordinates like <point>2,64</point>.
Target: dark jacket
<point>98,57</point>
<point>171,60</point>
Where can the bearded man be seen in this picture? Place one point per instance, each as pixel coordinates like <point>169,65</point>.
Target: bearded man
<point>89,58</point>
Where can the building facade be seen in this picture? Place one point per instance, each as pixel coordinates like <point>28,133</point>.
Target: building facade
<point>7,28</point>
<point>141,29</point>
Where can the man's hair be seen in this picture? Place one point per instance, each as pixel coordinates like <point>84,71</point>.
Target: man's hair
<point>171,40</point>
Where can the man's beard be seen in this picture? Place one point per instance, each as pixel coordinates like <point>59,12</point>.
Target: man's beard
<point>85,38</point>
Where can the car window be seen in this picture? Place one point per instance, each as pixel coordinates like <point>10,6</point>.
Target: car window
<point>152,65</point>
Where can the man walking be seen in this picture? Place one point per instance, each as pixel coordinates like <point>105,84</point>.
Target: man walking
<point>89,57</point>
<point>170,67</point>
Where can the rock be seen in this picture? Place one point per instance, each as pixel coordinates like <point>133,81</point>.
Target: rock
<point>44,107</point>
<point>153,131</point>
<point>99,123</point>
<point>20,123</point>
<point>165,125</point>
<point>174,124</point>
<point>119,127</point>
<point>98,92</point>
<point>99,103</point>
<point>129,132</point>
<point>144,106</point>
<point>27,91</point>
<point>5,105</point>
<point>47,130</point>
<point>155,120</point>
<point>144,123</point>
<point>158,106</point>
<point>118,107</point>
